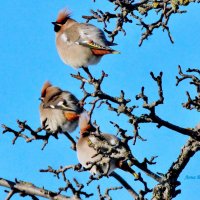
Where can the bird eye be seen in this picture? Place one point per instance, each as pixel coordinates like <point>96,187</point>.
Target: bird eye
<point>41,99</point>
<point>65,102</point>
<point>57,27</point>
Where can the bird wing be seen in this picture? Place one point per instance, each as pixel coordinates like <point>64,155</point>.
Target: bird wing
<point>89,32</point>
<point>97,49</point>
<point>104,138</point>
<point>114,142</point>
<point>112,139</point>
<point>89,36</point>
<point>65,101</point>
<point>93,37</point>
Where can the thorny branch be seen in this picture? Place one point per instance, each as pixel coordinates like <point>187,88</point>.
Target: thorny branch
<point>194,80</point>
<point>77,192</point>
<point>131,191</point>
<point>106,194</point>
<point>61,170</point>
<point>34,134</point>
<point>150,117</point>
<point>167,188</point>
<point>121,105</point>
<point>121,151</point>
<point>28,189</point>
<point>126,11</point>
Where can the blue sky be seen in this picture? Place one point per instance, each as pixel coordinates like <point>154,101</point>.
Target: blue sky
<point>28,58</point>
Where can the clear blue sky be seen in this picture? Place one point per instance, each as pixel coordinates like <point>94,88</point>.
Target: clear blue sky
<point>28,58</point>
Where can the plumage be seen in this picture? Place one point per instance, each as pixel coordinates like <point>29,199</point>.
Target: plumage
<point>94,148</point>
<point>87,153</point>
<point>59,110</point>
<point>63,15</point>
<point>80,44</point>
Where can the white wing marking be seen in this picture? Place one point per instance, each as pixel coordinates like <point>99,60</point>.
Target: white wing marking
<point>64,37</point>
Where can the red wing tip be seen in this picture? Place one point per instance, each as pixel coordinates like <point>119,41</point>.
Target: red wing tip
<point>101,52</point>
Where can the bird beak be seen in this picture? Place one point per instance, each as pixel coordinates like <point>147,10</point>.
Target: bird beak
<point>41,99</point>
<point>54,23</point>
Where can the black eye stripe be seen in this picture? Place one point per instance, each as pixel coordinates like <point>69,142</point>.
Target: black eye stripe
<point>57,28</point>
<point>54,96</point>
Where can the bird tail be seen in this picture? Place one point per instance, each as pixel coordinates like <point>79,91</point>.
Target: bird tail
<point>135,175</point>
<point>97,49</point>
<point>115,52</point>
<point>101,52</point>
<point>130,170</point>
<point>124,166</point>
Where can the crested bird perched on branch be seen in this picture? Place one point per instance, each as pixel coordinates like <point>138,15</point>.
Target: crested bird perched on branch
<point>59,110</point>
<point>100,153</point>
<point>80,44</point>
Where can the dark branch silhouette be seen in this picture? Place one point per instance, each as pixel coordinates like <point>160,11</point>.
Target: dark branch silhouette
<point>125,11</point>
<point>28,189</point>
<point>128,11</point>
<point>121,106</point>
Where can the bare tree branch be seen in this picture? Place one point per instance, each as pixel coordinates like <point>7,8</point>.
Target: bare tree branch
<point>35,134</point>
<point>123,107</point>
<point>32,190</point>
<point>167,188</point>
<point>106,194</point>
<point>127,11</point>
<point>125,184</point>
<point>194,80</point>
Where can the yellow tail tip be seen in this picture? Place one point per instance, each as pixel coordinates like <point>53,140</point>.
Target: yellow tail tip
<point>136,175</point>
<point>116,52</point>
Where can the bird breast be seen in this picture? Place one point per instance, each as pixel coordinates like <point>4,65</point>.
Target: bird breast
<point>56,120</point>
<point>86,154</point>
<point>74,54</point>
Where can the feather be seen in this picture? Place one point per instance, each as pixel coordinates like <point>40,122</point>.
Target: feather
<point>97,49</point>
<point>84,122</point>
<point>63,15</point>
<point>71,116</point>
<point>45,86</point>
<point>101,52</point>
<point>93,45</point>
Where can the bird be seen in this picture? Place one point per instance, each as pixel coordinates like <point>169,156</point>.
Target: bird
<point>59,110</point>
<point>101,154</point>
<point>80,44</point>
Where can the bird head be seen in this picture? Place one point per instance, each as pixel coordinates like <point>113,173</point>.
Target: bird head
<point>48,92</point>
<point>62,18</point>
<point>46,85</point>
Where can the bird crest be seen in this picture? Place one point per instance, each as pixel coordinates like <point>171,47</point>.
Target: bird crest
<point>84,123</point>
<point>63,15</point>
<point>45,86</point>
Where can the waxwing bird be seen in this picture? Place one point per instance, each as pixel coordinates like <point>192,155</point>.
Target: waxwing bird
<point>80,44</point>
<point>59,110</point>
<point>95,152</point>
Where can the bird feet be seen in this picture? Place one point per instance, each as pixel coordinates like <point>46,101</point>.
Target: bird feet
<point>87,72</point>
